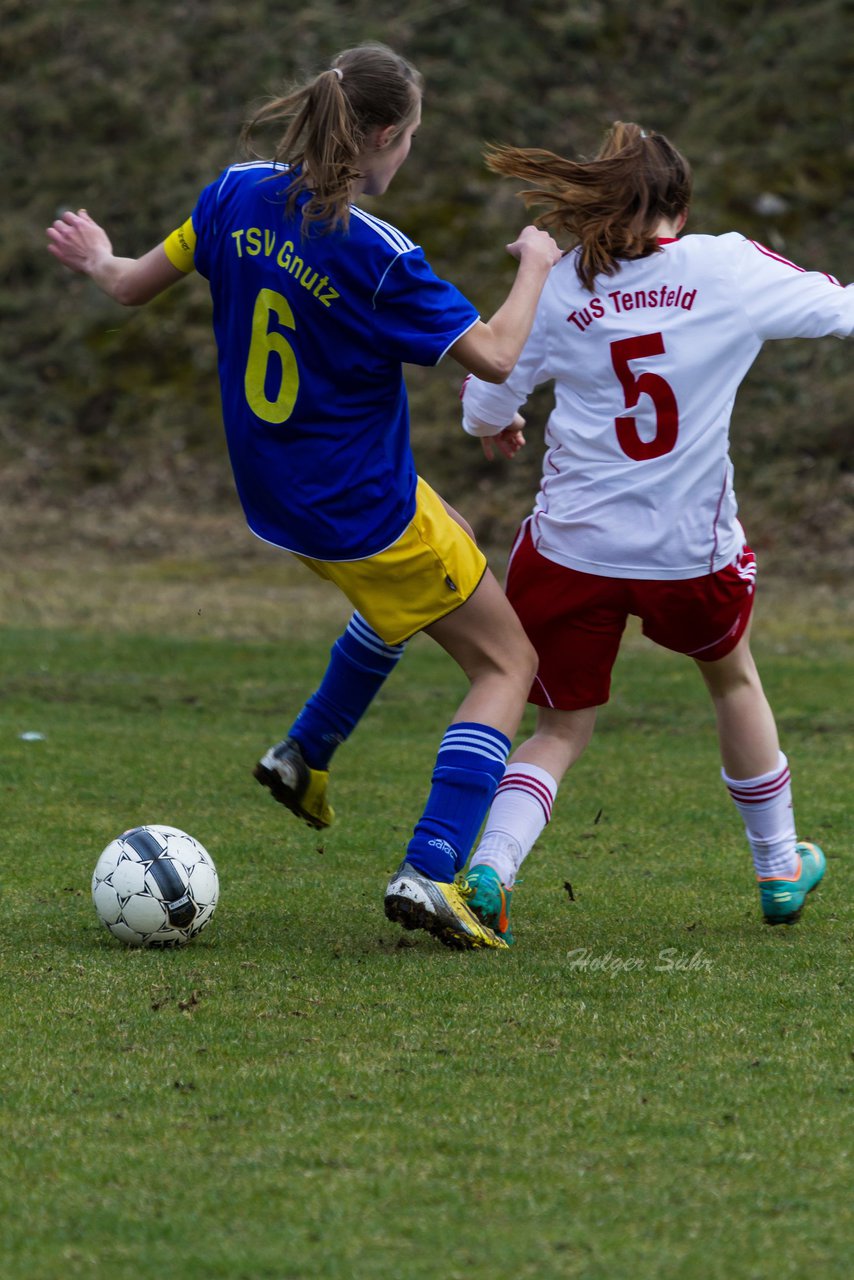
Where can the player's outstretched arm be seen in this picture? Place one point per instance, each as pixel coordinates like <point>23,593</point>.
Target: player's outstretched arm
<point>491,348</point>
<point>80,244</point>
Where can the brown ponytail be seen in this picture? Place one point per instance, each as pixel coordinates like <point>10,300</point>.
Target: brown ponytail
<point>611,204</point>
<point>329,120</point>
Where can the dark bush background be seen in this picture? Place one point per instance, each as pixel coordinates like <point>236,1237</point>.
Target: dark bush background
<point>129,109</point>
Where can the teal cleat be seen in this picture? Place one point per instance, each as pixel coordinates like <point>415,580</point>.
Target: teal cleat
<point>489,900</point>
<point>783,899</point>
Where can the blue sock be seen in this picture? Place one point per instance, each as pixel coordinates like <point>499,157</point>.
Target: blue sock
<point>469,767</point>
<point>359,664</point>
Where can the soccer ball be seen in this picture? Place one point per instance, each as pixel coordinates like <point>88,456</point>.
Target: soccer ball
<point>155,886</point>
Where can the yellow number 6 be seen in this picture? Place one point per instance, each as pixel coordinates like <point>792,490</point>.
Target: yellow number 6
<point>264,344</point>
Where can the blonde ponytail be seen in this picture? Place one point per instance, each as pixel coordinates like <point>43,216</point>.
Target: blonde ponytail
<point>328,121</point>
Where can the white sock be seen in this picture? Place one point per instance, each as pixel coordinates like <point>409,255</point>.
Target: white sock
<point>765,804</point>
<point>520,810</point>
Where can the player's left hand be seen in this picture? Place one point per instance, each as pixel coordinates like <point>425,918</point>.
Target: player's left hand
<point>508,442</point>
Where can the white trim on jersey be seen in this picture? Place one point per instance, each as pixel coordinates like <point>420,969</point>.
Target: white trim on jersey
<point>258,164</point>
<point>248,164</point>
<point>383,276</point>
<point>392,236</point>
<point>461,334</point>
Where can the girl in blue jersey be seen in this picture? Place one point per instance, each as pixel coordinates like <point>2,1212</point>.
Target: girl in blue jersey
<point>316,306</point>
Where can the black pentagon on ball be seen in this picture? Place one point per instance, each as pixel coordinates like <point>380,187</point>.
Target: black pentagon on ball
<point>181,913</point>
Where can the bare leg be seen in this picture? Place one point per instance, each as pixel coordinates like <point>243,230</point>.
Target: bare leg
<point>747,731</point>
<point>523,803</point>
<point>561,737</point>
<point>485,638</point>
<point>756,774</point>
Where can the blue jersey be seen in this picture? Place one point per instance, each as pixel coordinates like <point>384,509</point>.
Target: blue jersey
<point>312,333</point>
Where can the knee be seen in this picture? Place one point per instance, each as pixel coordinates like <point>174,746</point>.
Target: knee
<point>516,661</point>
<point>533,663</point>
<point>732,676</point>
<point>525,662</point>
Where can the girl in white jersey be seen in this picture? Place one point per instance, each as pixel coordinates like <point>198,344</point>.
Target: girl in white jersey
<point>647,338</point>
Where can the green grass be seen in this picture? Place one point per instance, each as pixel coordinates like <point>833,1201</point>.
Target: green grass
<point>651,1084</point>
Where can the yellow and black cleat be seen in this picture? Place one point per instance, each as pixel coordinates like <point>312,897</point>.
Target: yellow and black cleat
<point>414,901</point>
<point>290,781</point>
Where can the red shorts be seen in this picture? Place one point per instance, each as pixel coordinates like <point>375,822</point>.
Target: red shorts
<point>575,620</point>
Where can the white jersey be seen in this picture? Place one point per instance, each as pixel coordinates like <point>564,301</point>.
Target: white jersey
<point>637,480</point>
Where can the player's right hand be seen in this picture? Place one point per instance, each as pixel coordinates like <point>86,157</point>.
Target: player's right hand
<point>532,242</point>
<point>77,241</point>
<point>508,442</point>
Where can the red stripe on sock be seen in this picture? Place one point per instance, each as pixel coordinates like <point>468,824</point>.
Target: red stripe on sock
<point>759,794</point>
<point>528,786</point>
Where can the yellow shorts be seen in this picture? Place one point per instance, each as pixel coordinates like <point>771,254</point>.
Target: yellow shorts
<point>431,570</point>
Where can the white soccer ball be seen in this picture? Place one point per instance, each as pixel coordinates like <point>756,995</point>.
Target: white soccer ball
<point>155,886</point>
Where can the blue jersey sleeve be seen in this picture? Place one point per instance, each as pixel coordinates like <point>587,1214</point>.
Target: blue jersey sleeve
<point>204,216</point>
<point>418,315</point>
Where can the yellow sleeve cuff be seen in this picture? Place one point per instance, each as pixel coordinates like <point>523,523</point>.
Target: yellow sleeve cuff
<point>180,247</point>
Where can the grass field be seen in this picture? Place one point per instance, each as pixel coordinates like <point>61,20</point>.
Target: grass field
<point>651,1084</point>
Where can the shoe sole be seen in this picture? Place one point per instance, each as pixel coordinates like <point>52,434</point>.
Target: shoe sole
<point>286,796</point>
<point>794,916</point>
<point>414,915</point>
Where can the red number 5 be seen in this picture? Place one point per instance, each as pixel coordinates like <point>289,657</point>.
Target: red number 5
<point>653,385</point>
